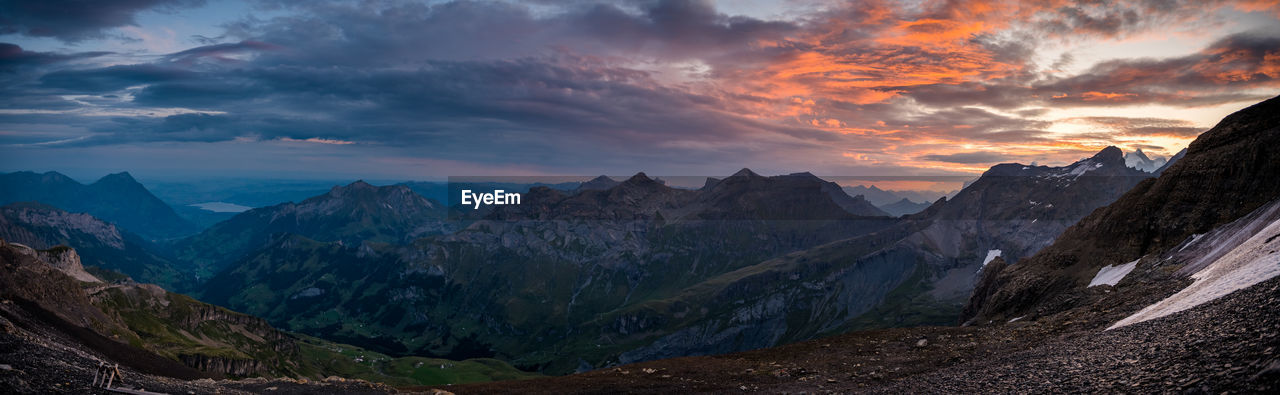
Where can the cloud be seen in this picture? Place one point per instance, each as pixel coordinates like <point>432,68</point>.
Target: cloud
<point>224,52</point>
<point>1214,75</point>
<point>939,87</point>
<point>74,21</point>
<point>967,157</point>
<point>13,57</point>
<point>1144,127</point>
<point>113,78</point>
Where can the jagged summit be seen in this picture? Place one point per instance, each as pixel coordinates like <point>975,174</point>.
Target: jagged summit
<point>1139,160</point>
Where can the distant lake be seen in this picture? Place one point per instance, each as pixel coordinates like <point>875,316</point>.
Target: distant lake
<point>221,207</point>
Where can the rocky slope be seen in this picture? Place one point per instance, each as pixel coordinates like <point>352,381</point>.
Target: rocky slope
<point>116,198</point>
<point>1231,345</point>
<point>45,308</point>
<point>1225,174</point>
<point>101,245</point>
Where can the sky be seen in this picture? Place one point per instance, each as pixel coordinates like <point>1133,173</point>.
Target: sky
<point>897,90</point>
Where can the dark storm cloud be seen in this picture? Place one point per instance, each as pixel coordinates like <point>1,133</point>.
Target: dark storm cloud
<point>443,76</point>
<point>13,57</point>
<point>110,79</point>
<point>504,108</point>
<point>220,52</point>
<point>411,32</point>
<point>682,28</point>
<point>72,20</point>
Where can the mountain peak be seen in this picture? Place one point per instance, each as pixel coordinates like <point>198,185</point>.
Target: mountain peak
<point>601,182</point>
<point>53,175</point>
<point>117,178</point>
<point>1111,153</point>
<point>639,178</point>
<point>745,172</point>
<point>355,186</point>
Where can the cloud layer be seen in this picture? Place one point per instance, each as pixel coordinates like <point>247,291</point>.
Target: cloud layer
<point>872,87</point>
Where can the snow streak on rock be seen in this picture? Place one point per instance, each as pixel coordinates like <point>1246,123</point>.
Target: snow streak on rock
<point>1254,261</point>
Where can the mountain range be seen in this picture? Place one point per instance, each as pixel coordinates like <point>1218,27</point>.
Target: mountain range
<point>102,245</point>
<point>1171,287</point>
<point>626,263</point>
<point>1059,268</point>
<point>115,198</point>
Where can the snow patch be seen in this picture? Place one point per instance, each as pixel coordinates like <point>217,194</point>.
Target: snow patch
<point>1249,263</point>
<point>1015,319</point>
<point>991,255</point>
<point>1110,275</point>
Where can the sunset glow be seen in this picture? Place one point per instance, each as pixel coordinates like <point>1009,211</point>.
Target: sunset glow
<point>885,88</point>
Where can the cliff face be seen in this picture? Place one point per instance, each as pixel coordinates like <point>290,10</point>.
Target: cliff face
<point>229,366</point>
<point>202,336</point>
<point>25,277</point>
<point>68,261</point>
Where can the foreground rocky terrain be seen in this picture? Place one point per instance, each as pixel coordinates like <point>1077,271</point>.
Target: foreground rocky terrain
<point>1231,344</point>
<point>59,322</point>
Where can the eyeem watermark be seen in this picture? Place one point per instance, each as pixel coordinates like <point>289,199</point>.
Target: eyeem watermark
<point>498,197</point>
